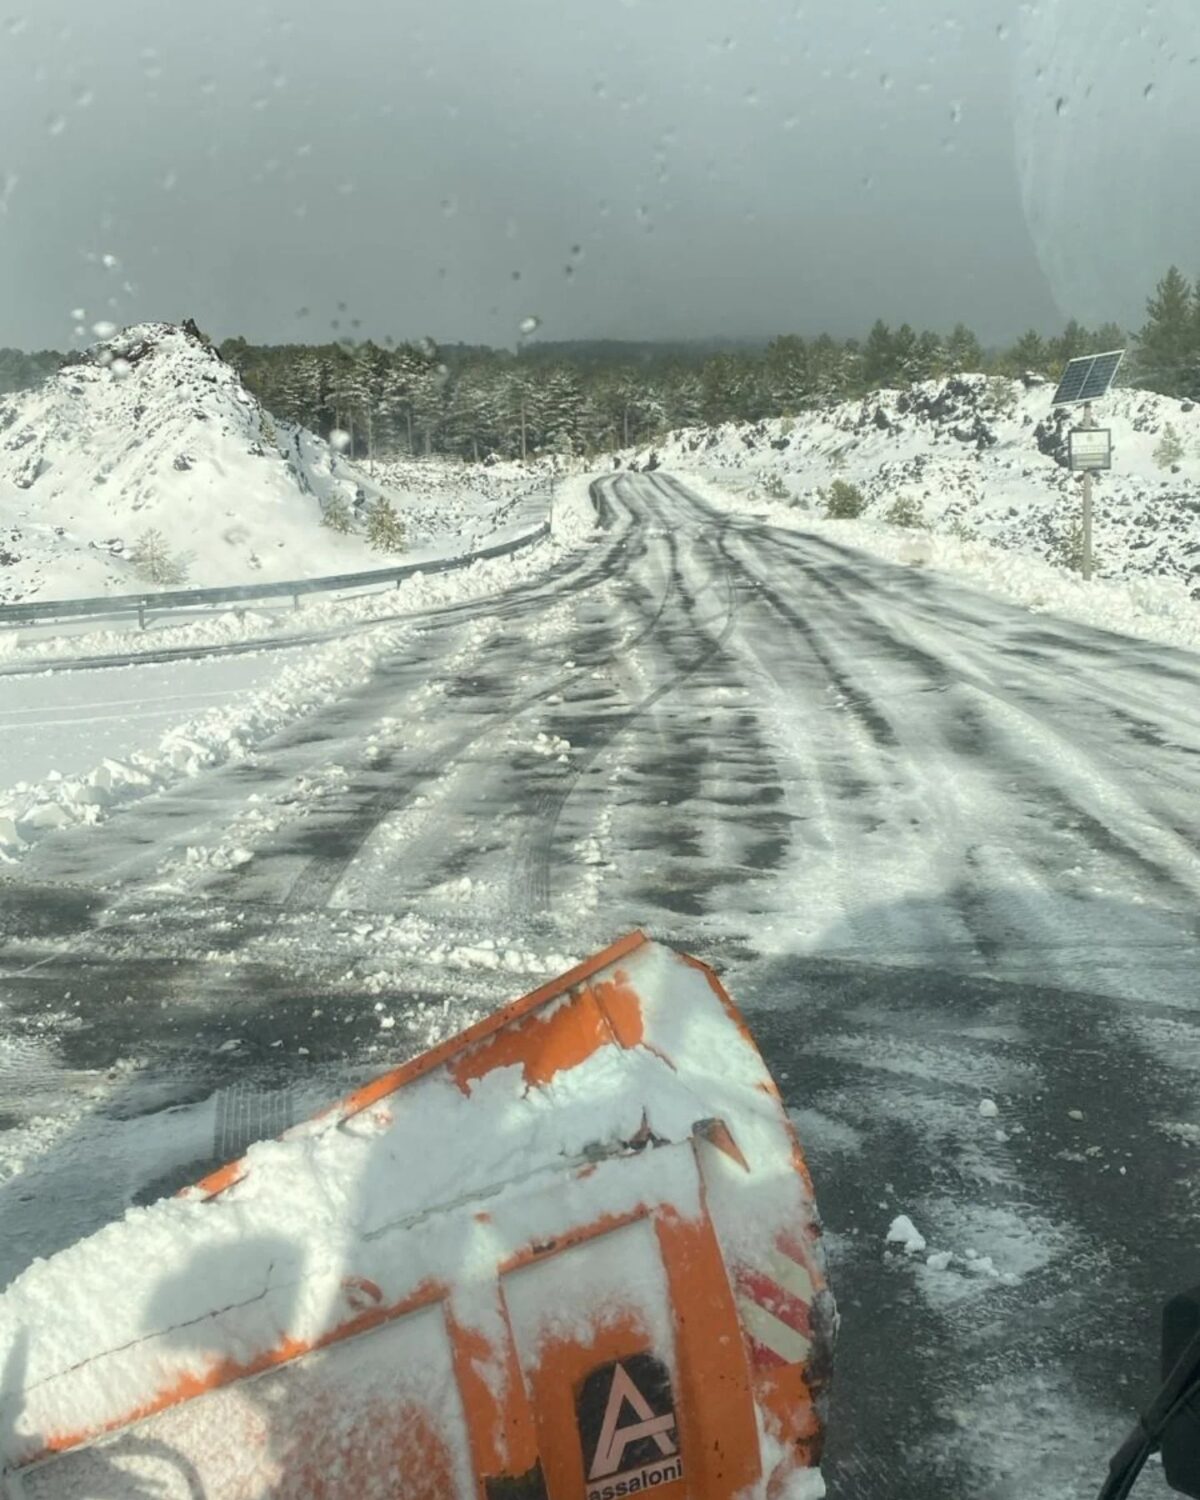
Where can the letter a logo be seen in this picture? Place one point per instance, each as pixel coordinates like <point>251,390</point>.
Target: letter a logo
<point>627,1419</point>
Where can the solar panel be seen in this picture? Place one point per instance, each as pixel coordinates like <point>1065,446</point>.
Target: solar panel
<point>1088,377</point>
<point>1072,380</point>
<point>1101,375</point>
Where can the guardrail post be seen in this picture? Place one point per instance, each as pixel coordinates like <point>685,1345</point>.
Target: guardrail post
<point>141,614</point>
<point>295,601</point>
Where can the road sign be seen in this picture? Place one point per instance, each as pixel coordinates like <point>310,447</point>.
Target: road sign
<point>1088,378</point>
<point>1089,448</point>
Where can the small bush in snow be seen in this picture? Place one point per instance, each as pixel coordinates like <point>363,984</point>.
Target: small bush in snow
<point>775,489</point>
<point>385,529</point>
<point>337,515</point>
<point>1169,450</point>
<point>905,511</point>
<point>999,396</point>
<point>963,530</point>
<point>153,561</point>
<point>843,501</point>
<point>1068,550</point>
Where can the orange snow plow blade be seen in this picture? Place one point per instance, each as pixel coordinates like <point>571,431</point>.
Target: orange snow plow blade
<point>570,1254</point>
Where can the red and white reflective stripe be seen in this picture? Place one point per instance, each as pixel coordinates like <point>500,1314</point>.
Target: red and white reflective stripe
<point>775,1306</point>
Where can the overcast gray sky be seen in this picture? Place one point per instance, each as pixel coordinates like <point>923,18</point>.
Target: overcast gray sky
<point>620,168</point>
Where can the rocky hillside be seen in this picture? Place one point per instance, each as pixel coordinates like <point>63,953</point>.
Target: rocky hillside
<point>983,457</point>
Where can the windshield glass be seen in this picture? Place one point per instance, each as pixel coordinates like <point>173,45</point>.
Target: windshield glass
<point>477,480</point>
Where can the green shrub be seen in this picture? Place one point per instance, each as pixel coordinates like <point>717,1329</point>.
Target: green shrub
<point>843,501</point>
<point>1068,549</point>
<point>905,511</point>
<point>337,515</point>
<point>775,489</point>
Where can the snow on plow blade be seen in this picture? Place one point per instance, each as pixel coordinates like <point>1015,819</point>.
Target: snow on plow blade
<point>570,1253</point>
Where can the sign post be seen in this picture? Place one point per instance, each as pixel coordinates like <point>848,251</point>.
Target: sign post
<point>1090,448</point>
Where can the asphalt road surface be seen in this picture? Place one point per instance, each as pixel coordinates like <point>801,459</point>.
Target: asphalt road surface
<point>945,852</point>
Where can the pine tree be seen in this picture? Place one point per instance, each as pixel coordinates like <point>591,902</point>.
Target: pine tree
<point>926,360</point>
<point>153,561</point>
<point>1028,355</point>
<point>787,373</point>
<point>879,357</point>
<point>385,529</point>
<point>1169,449</point>
<point>337,515</point>
<point>964,353</point>
<point>1073,341</point>
<point>1168,347</point>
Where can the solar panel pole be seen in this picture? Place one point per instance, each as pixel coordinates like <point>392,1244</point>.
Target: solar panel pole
<point>1087,507</point>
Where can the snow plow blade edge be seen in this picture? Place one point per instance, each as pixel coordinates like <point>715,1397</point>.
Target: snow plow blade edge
<point>571,1252</point>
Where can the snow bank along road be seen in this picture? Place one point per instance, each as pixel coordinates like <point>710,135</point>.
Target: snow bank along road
<point>947,852</point>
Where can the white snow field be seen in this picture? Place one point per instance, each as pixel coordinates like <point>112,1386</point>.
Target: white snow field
<point>152,431</point>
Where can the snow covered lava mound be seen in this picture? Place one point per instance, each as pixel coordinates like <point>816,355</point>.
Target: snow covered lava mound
<point>984,457</point>
<point>151,431</point>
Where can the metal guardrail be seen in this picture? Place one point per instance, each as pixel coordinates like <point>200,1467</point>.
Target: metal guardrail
<point>62,609</point>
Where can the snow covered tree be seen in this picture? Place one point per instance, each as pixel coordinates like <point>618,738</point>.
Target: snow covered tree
<point>385,529</point>
<point>153,561</point>
<point>924,360</point>
<point>337,515</point>
<point>788,375</point>
<point>683,399</point>
<point>964,353</point>
<point>1169,449</point>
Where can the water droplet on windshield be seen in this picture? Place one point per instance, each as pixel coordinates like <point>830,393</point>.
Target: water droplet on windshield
<point>529,325</point>
<point>110,262</point>
<point>78,314</point>
<point>1060,106</point>
<point>339,440</point>
<point>120,368</point>
<point>1148,91</point>
<point>84,97</point>
<point>104,329</point>
<point>56,124</point>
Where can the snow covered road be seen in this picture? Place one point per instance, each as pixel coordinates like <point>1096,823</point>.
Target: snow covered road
<point>946,851</point>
